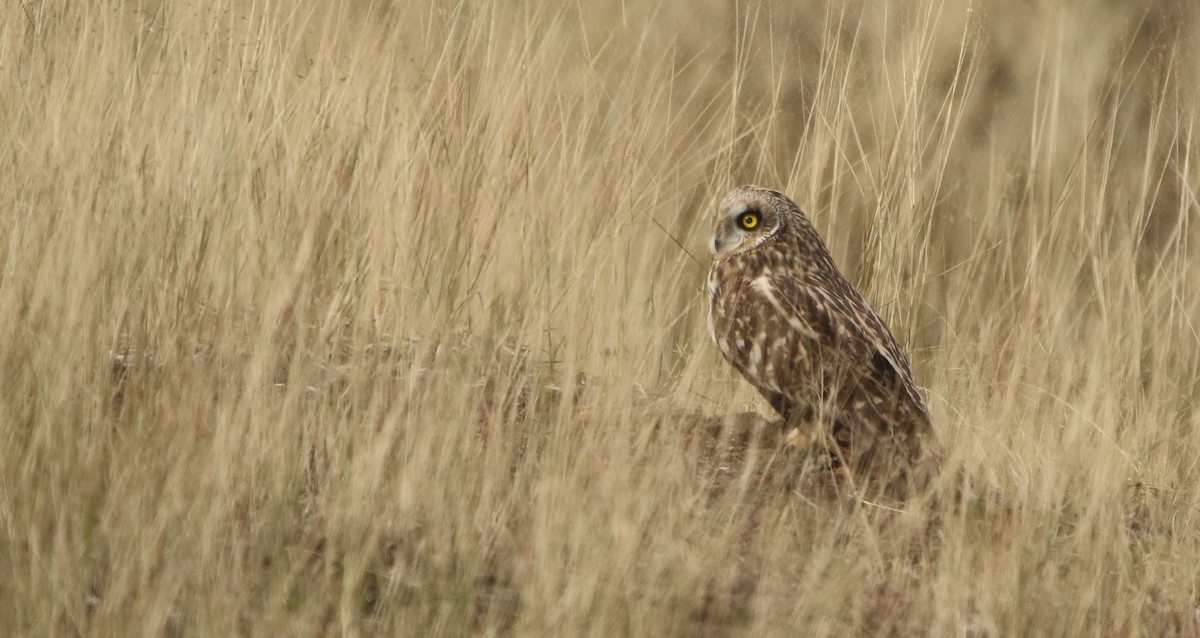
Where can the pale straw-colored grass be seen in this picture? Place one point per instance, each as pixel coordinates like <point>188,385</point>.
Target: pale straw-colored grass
<point>387,318</point>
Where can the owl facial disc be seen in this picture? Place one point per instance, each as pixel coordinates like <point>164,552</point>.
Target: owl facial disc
<point>742,225</point>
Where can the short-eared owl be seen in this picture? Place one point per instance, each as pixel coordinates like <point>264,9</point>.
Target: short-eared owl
<point>784,315</point>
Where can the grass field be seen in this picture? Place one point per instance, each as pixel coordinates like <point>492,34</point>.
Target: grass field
<point>358,318</point>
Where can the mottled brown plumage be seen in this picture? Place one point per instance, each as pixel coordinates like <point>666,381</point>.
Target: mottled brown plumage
<point>785,317</point>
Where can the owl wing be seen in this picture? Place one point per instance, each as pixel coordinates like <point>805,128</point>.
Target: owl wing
<point>843,324</point>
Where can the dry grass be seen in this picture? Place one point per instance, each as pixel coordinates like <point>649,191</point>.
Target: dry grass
<point>353,318</point>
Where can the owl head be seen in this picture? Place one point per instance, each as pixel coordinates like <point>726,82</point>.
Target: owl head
<point>748,217</point>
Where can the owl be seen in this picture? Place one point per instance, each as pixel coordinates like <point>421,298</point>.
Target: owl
<point>786,318</point>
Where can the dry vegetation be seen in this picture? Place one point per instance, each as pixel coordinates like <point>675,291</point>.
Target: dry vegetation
<point>380,318</point>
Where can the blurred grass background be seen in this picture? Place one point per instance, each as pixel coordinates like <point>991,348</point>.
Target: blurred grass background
<point>387,318</point>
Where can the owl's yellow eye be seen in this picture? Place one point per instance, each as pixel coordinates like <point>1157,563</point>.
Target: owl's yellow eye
<point>749,221</point>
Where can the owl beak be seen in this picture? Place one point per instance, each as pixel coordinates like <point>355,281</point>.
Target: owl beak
<point>715,245</point>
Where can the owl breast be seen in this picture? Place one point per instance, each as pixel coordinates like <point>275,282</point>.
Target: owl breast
<point>749,324</point>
